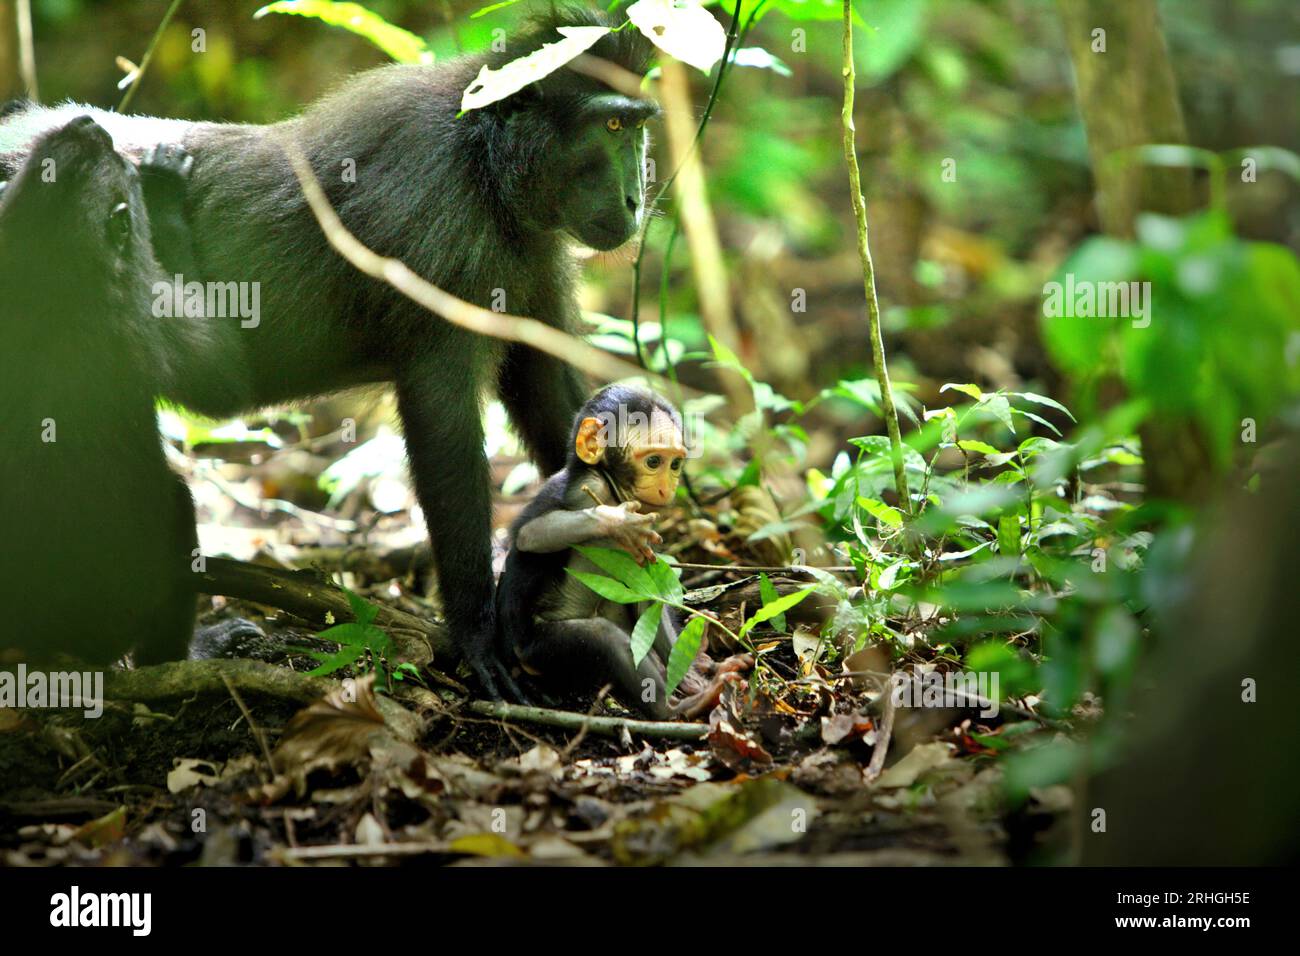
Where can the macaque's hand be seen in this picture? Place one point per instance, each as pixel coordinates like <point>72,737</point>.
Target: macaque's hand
<point>629,529</point>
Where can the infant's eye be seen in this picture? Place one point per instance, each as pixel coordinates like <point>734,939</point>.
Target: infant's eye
<point>613,124</point>
<point>653,462</point>
<point>677,464</point>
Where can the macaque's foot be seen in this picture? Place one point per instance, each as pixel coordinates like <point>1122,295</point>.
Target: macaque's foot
<point>493,676</point>
<point>727,672</point>
<point>705,665</point>
<point>735,664</point>
<point>695,680</point>
<point>167,160</point>
<point>226,639</point>
<point>705,668</point>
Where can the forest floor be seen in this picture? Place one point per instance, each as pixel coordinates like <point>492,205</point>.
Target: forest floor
<point>226,762</point>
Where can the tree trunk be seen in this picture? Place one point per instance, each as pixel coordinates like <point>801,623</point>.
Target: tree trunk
<point>1127,97</point>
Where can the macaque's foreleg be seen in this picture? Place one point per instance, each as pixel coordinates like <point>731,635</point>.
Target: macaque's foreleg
<point>560,529</point>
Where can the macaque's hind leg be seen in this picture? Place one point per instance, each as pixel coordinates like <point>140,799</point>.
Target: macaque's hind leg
<point>172,623</point>
<point>588,653</point>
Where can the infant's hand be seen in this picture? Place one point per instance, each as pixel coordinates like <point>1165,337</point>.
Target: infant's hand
<point>629,529</point>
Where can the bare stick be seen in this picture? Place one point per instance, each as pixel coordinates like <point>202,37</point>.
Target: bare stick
<point>252,725</point>
<point>886,732</point>
<point>609,726</point>
<point>869,270</point>
<point>354,851</point>
<point>148,57</point>
<point>27,50</point>
<point>498,325</point>
<point>753,568</point>
<point>618,78</point>
<point>701,229</point>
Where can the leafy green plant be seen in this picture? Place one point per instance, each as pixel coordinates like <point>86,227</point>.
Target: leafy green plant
<point>657,584</point>
<point>402,45</point>
<point>1215,346</point>
<point>358,640</point>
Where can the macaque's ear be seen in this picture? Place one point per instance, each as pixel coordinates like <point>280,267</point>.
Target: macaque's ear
<point>590,445</point>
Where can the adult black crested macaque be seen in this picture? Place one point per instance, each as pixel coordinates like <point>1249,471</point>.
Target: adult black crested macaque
<point>98,530</point>
<point>627,450</point>
<point>483,206</point>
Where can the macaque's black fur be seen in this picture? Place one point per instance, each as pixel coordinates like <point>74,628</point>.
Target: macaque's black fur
<point>529,575</point>
<point>98,531</point>
<point>474,204</point>
<point>14,106</point>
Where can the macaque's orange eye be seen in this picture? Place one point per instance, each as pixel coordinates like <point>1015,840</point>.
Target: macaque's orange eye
<point>653,462</point>
<point>613,124</point>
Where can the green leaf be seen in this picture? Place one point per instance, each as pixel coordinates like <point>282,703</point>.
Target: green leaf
<point>359,635</point>
<point>1016,674</point>
<point>1044,400</point>
<point>492,8</point>
<point>1035,445</point>
<point>896,30</point>
<point>666,585</point>
<point>1116,640</point>
<point>878,446</point>
<point>684,651</point>
<point>1037,418</point>
<point>827,583</point>
<point>1177,155</point>
<point>643,635</point>
<point>885,514</point>
<point>967,444</point>
<point>1269,157</point>
<point>362,610</point>
<point>683,30</point>
<point>794,9</point>
<point>757,57</point>
<point>729,359</point>
<point>1009,535</point>
<point>888,578</point>
<point>1000,408</point>
<point>772,609</point>
<point>972,390</point>
<point>768,593</point>
<point>402,45</point>
<point>622,567</point>
<point>607,588</point>
<point>344,657</point>
<point>490,85</point>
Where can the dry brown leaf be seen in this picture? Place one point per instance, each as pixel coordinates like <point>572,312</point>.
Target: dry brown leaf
<point>841,727</point>
<point>332,732</point>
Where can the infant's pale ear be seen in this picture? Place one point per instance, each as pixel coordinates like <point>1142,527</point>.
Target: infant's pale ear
<point>590,445</point>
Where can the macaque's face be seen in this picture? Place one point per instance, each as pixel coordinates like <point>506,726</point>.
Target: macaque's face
<point>654,457</point>
<point>644,458</point>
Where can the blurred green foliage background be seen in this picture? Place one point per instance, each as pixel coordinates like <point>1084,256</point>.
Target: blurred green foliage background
<point>986,83</point>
